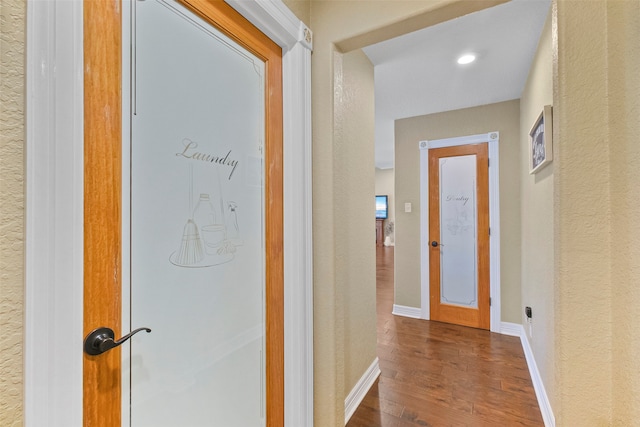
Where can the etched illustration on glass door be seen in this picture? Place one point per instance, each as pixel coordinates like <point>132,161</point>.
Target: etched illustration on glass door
<point>211,233</point>
<point>196,224</point>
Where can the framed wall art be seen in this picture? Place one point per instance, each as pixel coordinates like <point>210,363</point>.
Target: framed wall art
<point>541,141</point>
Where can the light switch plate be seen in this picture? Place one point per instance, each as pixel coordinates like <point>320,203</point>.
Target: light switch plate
<point>407,207</point>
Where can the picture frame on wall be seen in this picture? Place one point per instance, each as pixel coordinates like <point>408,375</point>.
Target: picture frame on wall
<point>541,141</point>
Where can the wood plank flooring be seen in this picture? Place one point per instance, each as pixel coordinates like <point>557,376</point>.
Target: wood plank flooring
<point>436,374</point>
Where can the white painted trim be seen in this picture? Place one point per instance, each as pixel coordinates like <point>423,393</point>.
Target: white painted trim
<point>424,230</point>
<point>494,226</point>
<point>298,255</point>
<point>54,214</point>
<point>405,311</point>
<point>275,19</point>
<point>517,330</point>
<point>360,390</point>
<point>460,140</point>
<point>493,140</point>
<point>511,329</point>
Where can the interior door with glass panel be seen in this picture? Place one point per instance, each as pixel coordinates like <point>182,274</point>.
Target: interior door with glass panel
<point>459,235</point>
<point>205,220</point>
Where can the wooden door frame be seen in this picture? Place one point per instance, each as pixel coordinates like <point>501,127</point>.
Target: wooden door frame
<point>54,199</point>
<point>105,137</point>
<point>477,317</point>
<point>493,139</point>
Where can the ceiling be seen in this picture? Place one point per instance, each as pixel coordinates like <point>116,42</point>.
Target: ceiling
<point>417,74</point>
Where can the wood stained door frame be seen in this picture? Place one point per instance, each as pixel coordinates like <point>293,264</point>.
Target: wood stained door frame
<point>477,317</point>
<point>103,199</point>
<point>493,139</point>
<point>54,214</point>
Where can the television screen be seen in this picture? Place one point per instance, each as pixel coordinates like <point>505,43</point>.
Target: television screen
<point>382,207</point>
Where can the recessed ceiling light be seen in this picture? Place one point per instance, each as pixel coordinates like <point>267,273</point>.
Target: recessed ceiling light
<point>466,59</point>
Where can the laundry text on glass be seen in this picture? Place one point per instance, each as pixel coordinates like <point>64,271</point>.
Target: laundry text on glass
<point>189,152</point>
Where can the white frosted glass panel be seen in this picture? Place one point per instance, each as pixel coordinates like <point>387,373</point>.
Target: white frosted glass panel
<point>197,247</point>
<point>458,236</point>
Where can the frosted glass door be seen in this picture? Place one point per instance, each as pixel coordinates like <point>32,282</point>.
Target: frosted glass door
<point>459,235</point>
<point>197,224</point>
<point>458,231</point>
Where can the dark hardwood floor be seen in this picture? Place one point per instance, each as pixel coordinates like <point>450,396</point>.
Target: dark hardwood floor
<point>436,374</point>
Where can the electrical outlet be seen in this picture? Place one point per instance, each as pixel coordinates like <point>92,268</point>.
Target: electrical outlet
<point>527,312</point>
<point>407,207</point>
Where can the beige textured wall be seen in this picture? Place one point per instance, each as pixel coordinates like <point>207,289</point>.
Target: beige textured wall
<point>353,193</point>
<point>624,117</point>
<point>536,193</point>
<point>333,23</point>
<point>12,39</point>
<point>596,212</point>
<point>300,8</point>
<point>582,217</point>
<point>385,184</point>
<point>407,183</point>
<point>503,117</point>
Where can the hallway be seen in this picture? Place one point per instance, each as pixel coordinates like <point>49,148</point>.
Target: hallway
<point>436,374</point>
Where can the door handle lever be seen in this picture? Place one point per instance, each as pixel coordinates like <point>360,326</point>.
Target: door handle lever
<point>103,339</point>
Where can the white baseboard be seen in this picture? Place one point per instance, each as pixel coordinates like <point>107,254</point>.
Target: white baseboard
<point>511,329</point>
<point>360,390</point>
<point>403,310</point>
<point>516,330</point>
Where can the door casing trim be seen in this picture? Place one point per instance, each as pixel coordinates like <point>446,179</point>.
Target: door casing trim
<point>54,209</point>
<point>493,139</point>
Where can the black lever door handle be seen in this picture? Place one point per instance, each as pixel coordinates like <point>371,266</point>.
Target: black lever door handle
<point>103,339</point>
<point>435,244</point>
